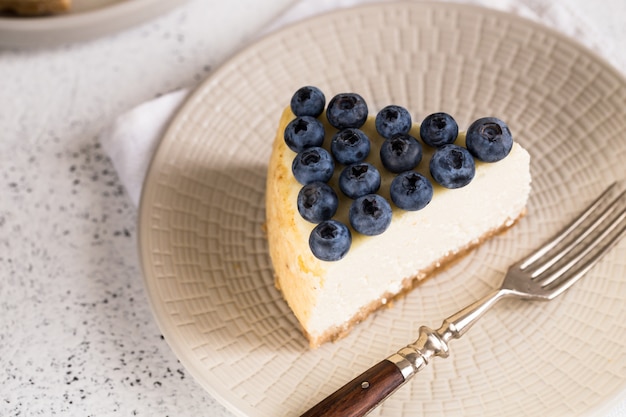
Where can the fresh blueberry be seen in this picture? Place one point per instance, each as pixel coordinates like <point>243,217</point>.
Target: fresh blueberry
<point>330,240</point>
<point>308,101</point>
<point>304,132</point>
<point>347,110</point>
<point>312,165</point>
<point>392,120</point>
<point>359,179</point>
<point>411,191</point>
<point>370,214</point>
<point>439,129</point>
<point>317,202</point>
<point>400,153</point>
<point>349,146</point>
<point>489,139</point>
<point>452,166</point>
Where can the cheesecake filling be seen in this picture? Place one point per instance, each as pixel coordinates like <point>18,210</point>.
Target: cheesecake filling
<point>418,242</point>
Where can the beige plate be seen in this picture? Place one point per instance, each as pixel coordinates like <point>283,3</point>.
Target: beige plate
<point>87,19</point>
<point>204,254</point>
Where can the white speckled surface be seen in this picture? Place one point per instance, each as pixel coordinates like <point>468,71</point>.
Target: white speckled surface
<point>77,336</point>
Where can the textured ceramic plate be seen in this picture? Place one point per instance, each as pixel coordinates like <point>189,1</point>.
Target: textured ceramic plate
<point>205,257</point>
<point>87,19</point>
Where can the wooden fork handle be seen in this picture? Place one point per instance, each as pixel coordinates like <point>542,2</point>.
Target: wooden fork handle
<point>361,395</point>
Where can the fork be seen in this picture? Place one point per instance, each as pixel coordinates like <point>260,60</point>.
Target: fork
<point>543,275</point>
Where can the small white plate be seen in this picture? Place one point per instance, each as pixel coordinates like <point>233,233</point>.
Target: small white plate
<point>87,19</point>
<point>204,254</point>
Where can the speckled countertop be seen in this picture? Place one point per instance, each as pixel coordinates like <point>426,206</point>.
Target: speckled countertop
<point>77,336</point>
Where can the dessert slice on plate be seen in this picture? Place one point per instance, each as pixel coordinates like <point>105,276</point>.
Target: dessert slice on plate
<point>360,208</point>
<point>35,7</point>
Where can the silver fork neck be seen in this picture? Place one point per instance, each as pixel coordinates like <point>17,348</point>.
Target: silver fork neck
<point>432,343</point>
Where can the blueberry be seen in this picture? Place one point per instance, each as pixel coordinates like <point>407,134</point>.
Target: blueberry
<point>411,191</point>
<point>312,165</point>
<point>304,132</point>
<point>346,110</point>
<point>400,153</point>
<point>349,146</point>
<point>392,120</point>
<point>439,129</point>
<point>452,166</point>
<point>317,202</point>
<point>330,240</point>
<point>359,179</point>
<point>308,101</point>
<point>489,139</point>
<point>370,214</point>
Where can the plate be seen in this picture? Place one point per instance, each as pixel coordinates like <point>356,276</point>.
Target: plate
<point>87,19</point>
<point>204,253</point>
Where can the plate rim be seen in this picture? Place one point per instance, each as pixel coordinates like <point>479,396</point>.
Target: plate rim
<point>225,396</point>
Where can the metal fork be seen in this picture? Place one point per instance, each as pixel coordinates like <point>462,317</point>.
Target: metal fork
<point>543,275</point>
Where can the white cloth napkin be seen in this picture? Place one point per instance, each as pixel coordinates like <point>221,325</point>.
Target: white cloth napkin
<point>132,139</point>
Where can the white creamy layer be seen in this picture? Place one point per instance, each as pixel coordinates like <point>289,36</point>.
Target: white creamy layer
<point>416,240</point>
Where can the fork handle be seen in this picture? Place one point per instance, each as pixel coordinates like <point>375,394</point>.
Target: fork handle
<point>361,395</point>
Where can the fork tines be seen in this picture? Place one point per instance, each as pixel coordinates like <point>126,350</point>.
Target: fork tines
<point>577,248</point>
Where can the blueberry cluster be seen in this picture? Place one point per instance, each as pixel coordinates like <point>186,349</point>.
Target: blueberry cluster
<point>452,166</point>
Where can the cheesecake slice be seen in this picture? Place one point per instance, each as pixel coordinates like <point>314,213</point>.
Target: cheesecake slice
<point>330,297</point>
<point>35,7</point>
